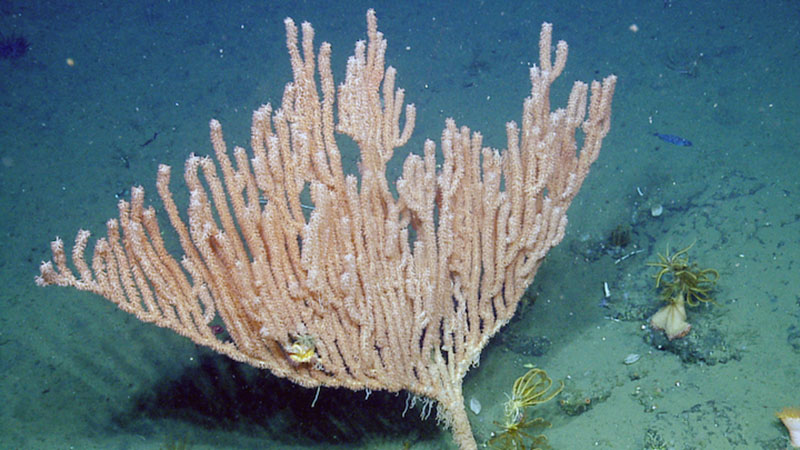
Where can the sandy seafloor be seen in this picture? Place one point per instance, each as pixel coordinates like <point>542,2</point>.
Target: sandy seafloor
<point>78,373</point>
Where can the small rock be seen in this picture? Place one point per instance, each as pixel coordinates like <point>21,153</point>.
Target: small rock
<point>630,359</point>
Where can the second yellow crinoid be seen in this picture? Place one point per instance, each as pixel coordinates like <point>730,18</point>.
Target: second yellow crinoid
<point>515,435</point>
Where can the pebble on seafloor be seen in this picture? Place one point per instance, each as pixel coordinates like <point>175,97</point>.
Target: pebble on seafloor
<point>630,359</point>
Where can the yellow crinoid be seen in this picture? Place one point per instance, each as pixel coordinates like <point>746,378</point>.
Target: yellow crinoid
<point>678,277</point>
<point>514,435</point>
<point>530,389</point>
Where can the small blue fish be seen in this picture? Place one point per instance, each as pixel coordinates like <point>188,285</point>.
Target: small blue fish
<point>672,139</point>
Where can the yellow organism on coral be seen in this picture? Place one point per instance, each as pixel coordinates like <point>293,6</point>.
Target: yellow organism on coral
<point>302,350</point>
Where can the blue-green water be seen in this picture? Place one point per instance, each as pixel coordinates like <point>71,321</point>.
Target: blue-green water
<point>78,373</point>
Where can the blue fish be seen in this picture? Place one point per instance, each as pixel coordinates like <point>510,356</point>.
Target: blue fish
<point>672,139</point>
